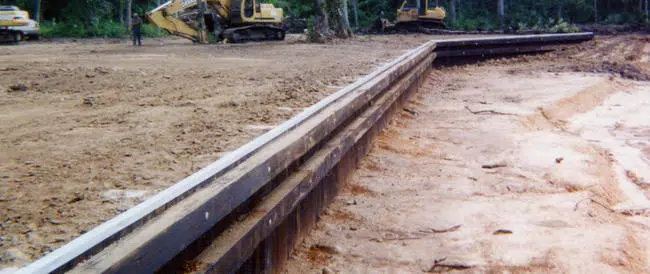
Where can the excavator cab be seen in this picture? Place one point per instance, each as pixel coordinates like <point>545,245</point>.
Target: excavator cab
<point>422,6</point>
<point>419,5</point>
<point>249,8</point>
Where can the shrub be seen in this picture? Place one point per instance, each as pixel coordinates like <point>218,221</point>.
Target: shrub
<point>63,29</point>
<point>108,29</point>
<point>479,23</point>
<point>152,31</point>
<point>563,27</point>
<point>623,18</point>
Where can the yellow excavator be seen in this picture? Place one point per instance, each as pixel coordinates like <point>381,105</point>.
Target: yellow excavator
<point>231,20</point>
<point>414,16</point>
<point>11,17</point>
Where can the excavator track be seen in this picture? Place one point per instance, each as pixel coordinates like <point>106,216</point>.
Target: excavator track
<point>419,25</point>
<point>254,33</point>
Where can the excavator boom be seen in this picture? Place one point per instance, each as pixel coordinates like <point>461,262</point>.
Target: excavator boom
<point>234,20</point>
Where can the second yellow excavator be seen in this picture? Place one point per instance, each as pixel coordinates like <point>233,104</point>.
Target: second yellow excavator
<point>416,15</point>
<point>413,16</point>
<point>231,20</point>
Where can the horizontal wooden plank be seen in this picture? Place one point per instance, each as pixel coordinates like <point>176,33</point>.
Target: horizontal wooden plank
<point>98,238</point>
<point>513,39</point>
<point>515,49</point>
<point>159,240</point>
<point>146,236</point>
<point>233,247</point>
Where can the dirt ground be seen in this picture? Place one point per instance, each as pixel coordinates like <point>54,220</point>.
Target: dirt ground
<point>533,164</point>
<point>90,128</point>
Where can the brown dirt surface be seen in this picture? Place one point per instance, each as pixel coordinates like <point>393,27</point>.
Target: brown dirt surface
<point>624,55</point>
<point>92,127</point>
<point>546,174</point>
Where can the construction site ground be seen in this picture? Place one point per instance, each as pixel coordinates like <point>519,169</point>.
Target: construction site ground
<point>90,128</point>
<point>526,165</point>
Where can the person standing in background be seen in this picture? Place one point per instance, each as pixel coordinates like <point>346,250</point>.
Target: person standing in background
<point>136,23</point>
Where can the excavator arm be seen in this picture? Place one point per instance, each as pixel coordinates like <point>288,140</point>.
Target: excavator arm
<point>165,17</point>
<point>234,20</point>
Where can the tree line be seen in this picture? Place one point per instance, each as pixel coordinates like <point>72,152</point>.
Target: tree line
<point>340,17</point>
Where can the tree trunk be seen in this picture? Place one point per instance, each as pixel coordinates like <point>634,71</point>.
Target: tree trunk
<point>646,10</point>
<point>201,19</point>
<point>501,10</point>
<point>560,5</point>
<point>641,6</point>
<point>596,11</point>
<point>37,11</point>
<point>344,30</point>
<point>128,14</point>
<point>321,24</point>
<point>121,11</point>
<point>453,11</point>
<point>355,11</point>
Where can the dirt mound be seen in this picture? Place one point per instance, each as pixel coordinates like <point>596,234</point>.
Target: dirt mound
<point>628,71</point>
<point>625,56</point>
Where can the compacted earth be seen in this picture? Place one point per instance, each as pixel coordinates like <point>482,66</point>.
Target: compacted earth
<point>531,164</point>
<point>90,128</point>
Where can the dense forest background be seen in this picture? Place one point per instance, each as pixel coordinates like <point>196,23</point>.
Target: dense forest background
<point>107,18</point>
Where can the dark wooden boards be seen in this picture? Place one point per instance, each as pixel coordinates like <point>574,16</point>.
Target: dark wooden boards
<point>232,248</point>
<point>304,149</point>
<point>163,237</point>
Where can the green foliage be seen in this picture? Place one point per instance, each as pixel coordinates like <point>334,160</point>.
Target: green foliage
<point>64,29</point>
<point>563,27</point>
<point>312,35</point>
<point>623,18</point>
<point>107,29</point>
<point>473,24</point>
<point>369,10</point>
<point>100,18</point>
<point>295,8</point>
<point>152,31</point>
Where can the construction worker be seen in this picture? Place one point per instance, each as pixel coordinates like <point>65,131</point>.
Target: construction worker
<point>136,23</point>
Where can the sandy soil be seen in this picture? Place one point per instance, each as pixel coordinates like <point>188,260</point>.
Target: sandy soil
<point>510,166</point>
<point>90,128</point>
